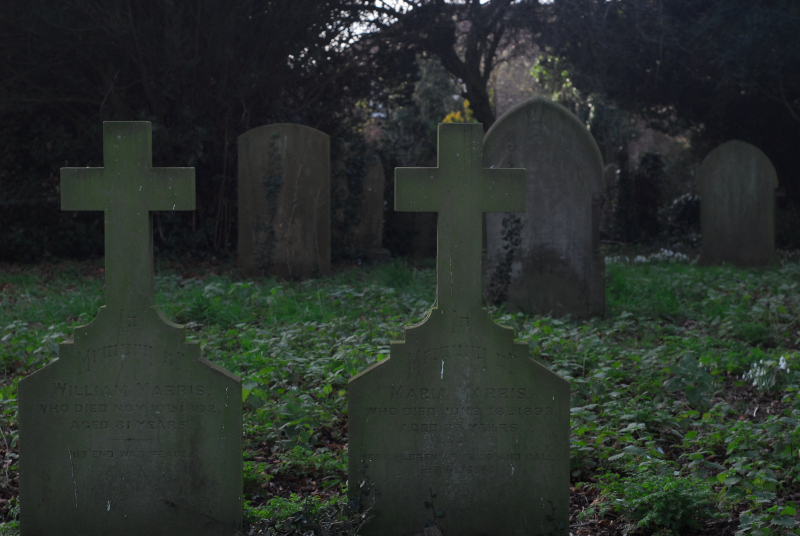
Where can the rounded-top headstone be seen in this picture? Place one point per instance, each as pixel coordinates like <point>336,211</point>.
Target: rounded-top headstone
<point>546,260</point>
<point>737,185</point>
<point>285,201</point>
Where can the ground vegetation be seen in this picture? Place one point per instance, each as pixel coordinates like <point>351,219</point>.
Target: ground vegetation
<point>685,410</point>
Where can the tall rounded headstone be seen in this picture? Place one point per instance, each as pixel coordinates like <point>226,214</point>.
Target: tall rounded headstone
<point>546,261</point>
<point>737,212</point>
<point>285,201</point>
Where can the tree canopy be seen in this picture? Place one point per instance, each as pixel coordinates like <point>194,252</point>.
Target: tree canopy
<point>204,72</point>
<point>728,68</point>
<point>467,36</point>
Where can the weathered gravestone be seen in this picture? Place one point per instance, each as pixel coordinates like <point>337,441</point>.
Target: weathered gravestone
<point>459,427</point>
<point>369,230</point>
<point>130,432</point>
<point>737,206</point>
<point>285,202</point>
<point>358,197</point>
<point>547,260</point>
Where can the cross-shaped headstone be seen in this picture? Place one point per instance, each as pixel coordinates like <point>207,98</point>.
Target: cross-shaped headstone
<point>130,431</point>
<point>460,190</point>
<point>128,189</point>
<point>459,427</point>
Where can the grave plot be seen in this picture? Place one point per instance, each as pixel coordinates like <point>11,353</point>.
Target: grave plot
<point>459,427</point>
<point>285,202</point>
<point>737,212</point>
<point>130,432</point>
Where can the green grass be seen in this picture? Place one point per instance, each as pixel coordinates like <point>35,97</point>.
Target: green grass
<point>686,392</point>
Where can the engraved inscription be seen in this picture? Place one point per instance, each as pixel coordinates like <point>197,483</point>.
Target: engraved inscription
<point>508,411</point>
<point>84,454</point>
<point>86,412</point>
<point>143,353</point>
<point>145,389</point>
<point>424,393</point>
<point>460,462</point>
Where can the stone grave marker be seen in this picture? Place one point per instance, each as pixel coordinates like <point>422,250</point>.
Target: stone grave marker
<point>737,206</point>
<point>130,431</point>
<point>358,203</point>
<point>285,202</point>
<point>547,259</point>
<point>459,426</point>
<point>369,231</point>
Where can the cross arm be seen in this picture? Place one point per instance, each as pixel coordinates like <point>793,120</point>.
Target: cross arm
<point>417,190</point>
<point>162,189</point>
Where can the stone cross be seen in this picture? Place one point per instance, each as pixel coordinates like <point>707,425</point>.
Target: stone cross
<point>460,190</point>
<point>459,428</point>
<point>131,431</point>
<point>128,189</point>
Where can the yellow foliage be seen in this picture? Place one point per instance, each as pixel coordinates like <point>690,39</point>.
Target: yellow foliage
<point>453,117</point>
<point>457,117</point>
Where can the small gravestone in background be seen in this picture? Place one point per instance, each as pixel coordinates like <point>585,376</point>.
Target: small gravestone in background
<point>358,187</point>
<point>547,260</point>
<point>285,202</point>
<point>611,175</point>
<point>369,231</point>
<point>737,206</point>
<point>459,427</point>
<point>130,432</point>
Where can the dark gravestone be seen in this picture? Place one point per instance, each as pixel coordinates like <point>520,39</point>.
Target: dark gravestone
<point>737,206</point>
<point>130,432</point>
<point>611,176</point>
<point>369,231</point>
<point>547,260</point>
<point>285,202</point>
<point>358,187</point>
<point>459,426</point>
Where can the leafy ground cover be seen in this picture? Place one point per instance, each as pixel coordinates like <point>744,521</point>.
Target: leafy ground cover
<point>685,405</point>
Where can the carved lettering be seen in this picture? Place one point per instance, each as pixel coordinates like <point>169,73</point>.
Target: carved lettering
<point>54,408</point>
<point>88,425</point>
<point>453,460</point>
<point>382,411</point>
<point>143,353</point>
<point>161,425</point>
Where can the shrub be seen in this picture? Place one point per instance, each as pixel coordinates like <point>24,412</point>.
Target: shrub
<point>659,501</point>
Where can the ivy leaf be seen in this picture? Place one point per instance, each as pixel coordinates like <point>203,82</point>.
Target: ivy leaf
<point>731,480</point>
<point>784,521</point>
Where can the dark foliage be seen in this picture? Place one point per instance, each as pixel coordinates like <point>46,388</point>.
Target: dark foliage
<point>683,218</point>
<point>728,68</point>
<point>647,186</point>
<point>467,37</point>
<point>409,137</point>
<point>624,224</point>
<point>203,72</point>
